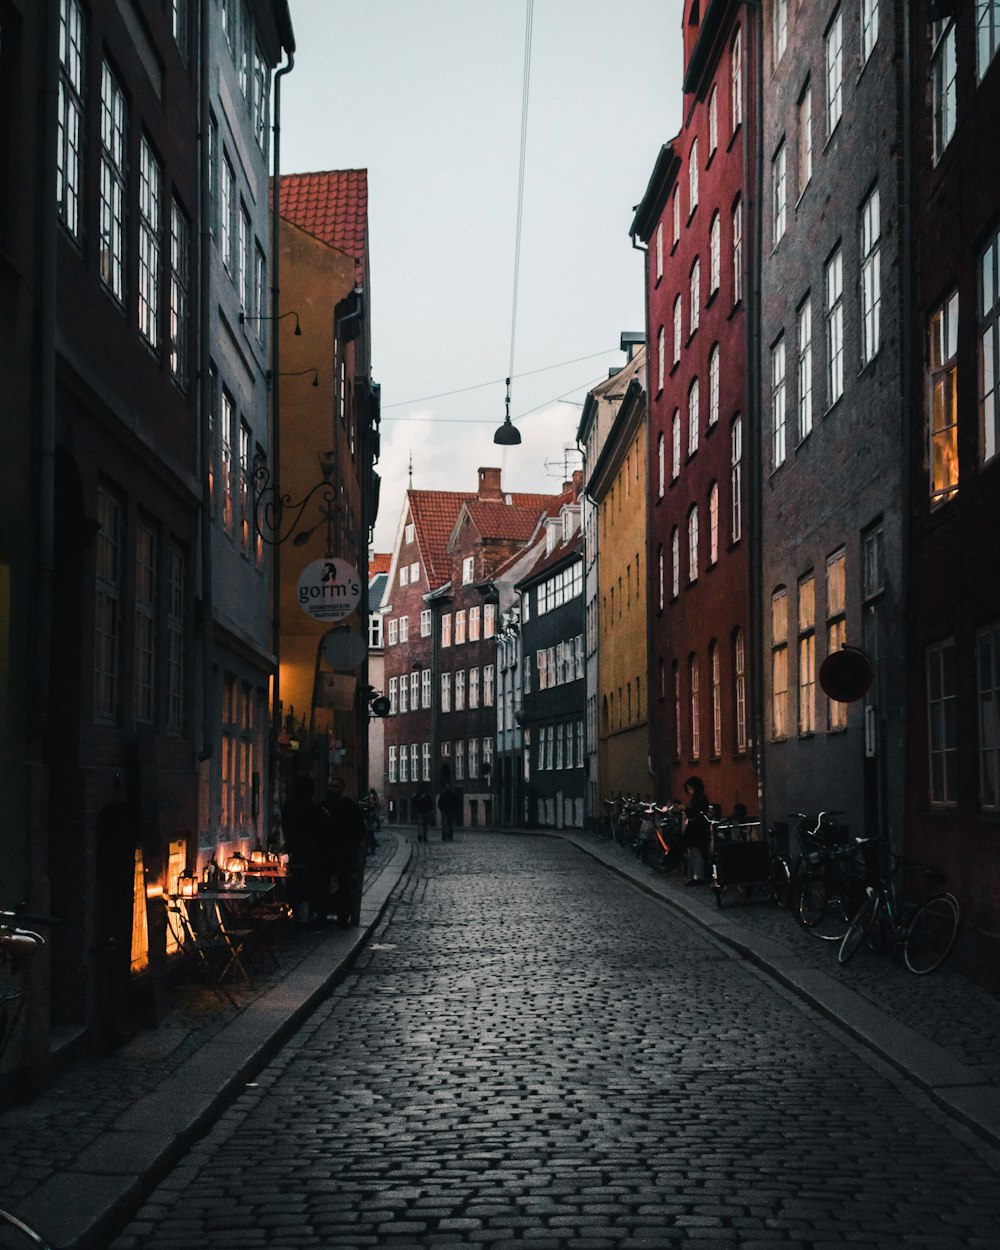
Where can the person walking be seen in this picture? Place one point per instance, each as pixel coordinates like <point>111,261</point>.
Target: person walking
<point>423,806</point>
<point>308,840</point>
<point>696,830</point>
<point>448,802</point>
<point>349,849</point>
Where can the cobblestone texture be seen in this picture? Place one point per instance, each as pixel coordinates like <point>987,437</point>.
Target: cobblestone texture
<point>533,1053</point>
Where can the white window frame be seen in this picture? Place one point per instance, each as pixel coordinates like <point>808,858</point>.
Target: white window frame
<point>805,384</point>
<point>695,294</point>
<point>736,79</point>
<point>943,85</point>
<point>869,28</point>
<point>694,415</point>
<point>989,349</point>
<point>778,406</point>
<point>942,423</point>
<point>833,275</point>
<point>871,277</point>
<point>693,177</point>
<point>833,45</point>
<point>692,532</point>
<point>715,254</point>
<point>779,192</point>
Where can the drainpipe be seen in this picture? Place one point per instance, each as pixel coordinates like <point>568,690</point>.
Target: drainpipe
<point>907,285</point>
<point>205,398</point>
<point>47,377</point>
<point>276,411</point>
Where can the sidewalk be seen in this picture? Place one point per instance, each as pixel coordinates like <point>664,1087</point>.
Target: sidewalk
<point>940,1031</point>
<point>79,1158</point>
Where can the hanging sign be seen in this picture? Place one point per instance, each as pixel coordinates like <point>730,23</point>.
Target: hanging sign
<point>329,590</point>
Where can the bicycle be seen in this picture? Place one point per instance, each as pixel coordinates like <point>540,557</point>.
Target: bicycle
<point>923,933</point>
<point>828,879</point>
<point>15,1240</point>
<point>660,844</point>
<point>16,946</point>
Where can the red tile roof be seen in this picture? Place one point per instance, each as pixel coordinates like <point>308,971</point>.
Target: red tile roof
<point>433,513</point>
<point>378,562</point>
<point>555,556</point>
<point>332,206</point>
<point>501,520</point>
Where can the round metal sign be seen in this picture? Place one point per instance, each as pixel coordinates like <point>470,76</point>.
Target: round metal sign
<point>846,676</point>
<point>344,648</point>
<point>329,590</point>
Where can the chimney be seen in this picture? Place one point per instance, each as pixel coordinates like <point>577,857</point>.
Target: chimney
<point>577,483</point>
<point>489,485</point>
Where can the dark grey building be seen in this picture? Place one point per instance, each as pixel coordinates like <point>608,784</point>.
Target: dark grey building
<point>830,398</point>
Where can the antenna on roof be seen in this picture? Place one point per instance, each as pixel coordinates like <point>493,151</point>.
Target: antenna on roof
<point>411,468</point>
<point>563,466</point>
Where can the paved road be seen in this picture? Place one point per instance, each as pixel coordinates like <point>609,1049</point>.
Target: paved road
<point>532,1052</point>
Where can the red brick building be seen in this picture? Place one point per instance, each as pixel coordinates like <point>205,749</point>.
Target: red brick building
<point>695,221</point>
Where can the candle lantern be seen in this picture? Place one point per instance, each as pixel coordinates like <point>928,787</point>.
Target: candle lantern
<point>187,884</point>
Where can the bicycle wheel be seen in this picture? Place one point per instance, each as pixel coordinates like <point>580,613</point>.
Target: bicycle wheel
<point>16,1235</point>
<point>781,883</point>
<point>861,925</point>
<point>931,934</point>
<point>812,900</point>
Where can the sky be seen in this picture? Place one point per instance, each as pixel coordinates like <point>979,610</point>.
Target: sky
<point>427,96</point>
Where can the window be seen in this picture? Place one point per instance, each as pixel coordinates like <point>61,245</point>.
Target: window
<point>676,209</point>
<point>404,575</point>
<point>661,464</point>
<point>473,687</point>
<point>261,92</point>
<point>738,252</point>
<point>779,663</point>
<point>778,403</point>
<point>834,72</point>
<point>736,79</point>
<point>693,177</point>
<point>835,327</point>
<point>468,569</point>
<point>989,350</point>
<point>245,259</point>
<point>805,368</point>
<point>473,757</point>
<point>244,489</point>
<point>375,631</point>
<point>425,761</point>
<point>807,655</point>
<point>145,623</point>
<point>693,544</point>
<point>713,656</point>
<point>415,566</point>
<point>414,760</point>
<point>459,627</point>
<point>713,523</point>
<point>713,121</point>
<point>661,362</point>
<point>460,690</point>
<point>695,721</point>
<point>805,139</point>
<point>114,124</point>
<point>179,308</point>
<point>404,763</point>
<point>779,192</point>
<point>988,668</point>
<point>713,385</point>
<point>780,20</point>
<point>659,250</point>
<point>246,44</point>
<point>695,294</point>
<point>404,629</point>
<point>393,767</point>
<point>678,330</point>
<point>150,195</point>
<point>409,532</point>
<point>446,630</point>
<point>942,84</point>
<point>740,689</point>
<point>393,631</point>
<point>675,428</point>
<point>228,422</point>
<point>227,216</point>
<point>836,626</point>
<point>393,695</point>
<point>488,681</point>
<point>944,400</point>
<point>404,695</point>
<point>675,562</point>
<point>987,33</point>
<point>659,562</point>
<point>107,604</point>
<point>941,722</point>
<point>715,255</point>
<point>490,617</point>
<point>446,692</point>
<point>425,623</point>
<point>736,475</point>
<point>694,416</point>
<point>175,640</point>
<point>425,688</point>
<point>871,278</point>
<point>869,28</point>
<point>70,136</point>
<point>475,615</point>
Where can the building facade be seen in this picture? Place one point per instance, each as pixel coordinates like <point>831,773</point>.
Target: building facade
<point>696,223</point>
<point>953,807</point>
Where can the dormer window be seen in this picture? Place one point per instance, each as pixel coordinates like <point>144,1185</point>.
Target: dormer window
<point>551,537</point>
<point>468,570</point>
<point>408,533</point>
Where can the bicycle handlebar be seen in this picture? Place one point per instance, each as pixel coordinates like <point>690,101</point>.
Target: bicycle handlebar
<point>18,915</point>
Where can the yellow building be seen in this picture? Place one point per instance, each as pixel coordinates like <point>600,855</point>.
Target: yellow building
<point>618,486</point>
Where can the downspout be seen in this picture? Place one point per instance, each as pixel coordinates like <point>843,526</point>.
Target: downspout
<point>754,434</point>
<point>47,377</point>
<point>276,411</point>
<point>205,398</point>
<point>907,353</point>
<point>651,767</point>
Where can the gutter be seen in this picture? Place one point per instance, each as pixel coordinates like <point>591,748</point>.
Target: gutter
<point>204,390</point>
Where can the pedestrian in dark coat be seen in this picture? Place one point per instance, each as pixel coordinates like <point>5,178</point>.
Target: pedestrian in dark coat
<point>448,806</point>
<point>349,840</point>
<point>423,806</point>
<point>696,830</point>
<point>308,840</point>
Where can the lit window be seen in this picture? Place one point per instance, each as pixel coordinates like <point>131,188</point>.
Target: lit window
<point>179,261</point>
<point>713,523</point>
<point>943,424</point>
<point>807,655</point>
<point>836,626</point>
<point>779,663</point>
<point>459,627</point>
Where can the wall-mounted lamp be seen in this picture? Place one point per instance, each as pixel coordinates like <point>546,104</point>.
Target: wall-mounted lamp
<point>272,510</point>
<point>244,318</point>
<point>300,373</point>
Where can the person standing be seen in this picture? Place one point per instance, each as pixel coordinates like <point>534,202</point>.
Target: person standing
<point>423,806</point>
<point>350,846</point>
<point>696,830</point>
<point>448,802</point>
<point>307,836</point>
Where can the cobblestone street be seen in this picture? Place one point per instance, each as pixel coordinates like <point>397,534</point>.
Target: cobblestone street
<point>531,1051</point>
